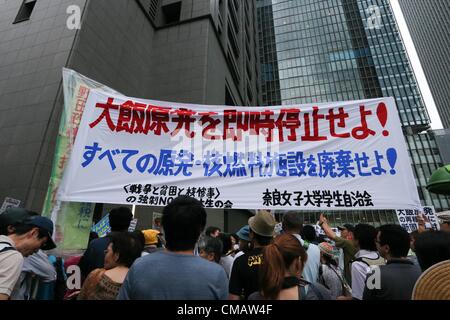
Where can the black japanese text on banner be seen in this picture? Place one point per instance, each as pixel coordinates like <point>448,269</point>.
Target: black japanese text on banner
<point>340,155</point>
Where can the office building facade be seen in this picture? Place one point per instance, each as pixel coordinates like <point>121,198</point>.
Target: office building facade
<point>429,25</point>
<point>334,50</point>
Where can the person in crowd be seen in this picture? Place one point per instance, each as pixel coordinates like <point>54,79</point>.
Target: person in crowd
<point>280,274</point>
<point>36,269</point>
<point>367,256</point>
<point>346,231</point>
<point>22,238</point>
<point>398,276</point>
<point>210,249</point>
<point>104,284</point>
<point>11,217</point>
<point>292,223</point>
<point>345,241</point>
<point>94,256</point>
<point>226,261</point>
<point>157,224</point>
<point>92,236</point>
<point>433,254</point>
<point>432,247</point>
<point>309,234</point>
<point>412,251</point>
<point>244,241</point>
<point>234,244</point>
<point>176,273</point>
<point>433,283</point>
<point>330,276</point>
<point>244,275</point>
<point>140,237</point>
<point>212,231</point>
<point>444,220</point>
<point>152,241</point>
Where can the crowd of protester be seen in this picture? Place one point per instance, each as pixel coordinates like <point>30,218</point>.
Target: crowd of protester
<point>184,261</point>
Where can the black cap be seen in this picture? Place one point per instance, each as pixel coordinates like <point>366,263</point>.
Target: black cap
<point>347,226</point>
<point>46,225</point>
<point>13,216</point>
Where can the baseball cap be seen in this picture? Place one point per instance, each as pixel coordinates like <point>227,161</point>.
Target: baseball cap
<point>46,225</point>
<point>346,226</point>
<point>13,216</point>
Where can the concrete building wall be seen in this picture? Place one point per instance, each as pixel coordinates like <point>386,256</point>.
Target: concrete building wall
<point>121,44</point>
<point>178,63</point>
<point>114,47</point>
<point>32,54</point>
<point>218,74</point>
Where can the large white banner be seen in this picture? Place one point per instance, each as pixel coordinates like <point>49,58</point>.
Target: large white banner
<point>340,155</point>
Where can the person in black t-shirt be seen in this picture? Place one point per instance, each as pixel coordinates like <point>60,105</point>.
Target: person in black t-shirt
<point>94,256</point>
<point>244,275</point>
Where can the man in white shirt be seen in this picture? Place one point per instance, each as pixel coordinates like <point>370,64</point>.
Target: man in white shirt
<point>21,237</point>
<point>366,257</point>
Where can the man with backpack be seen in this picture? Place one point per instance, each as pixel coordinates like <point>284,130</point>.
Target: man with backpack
<point>366,257</point>
<point>21,236</point>
<point>399,275</point>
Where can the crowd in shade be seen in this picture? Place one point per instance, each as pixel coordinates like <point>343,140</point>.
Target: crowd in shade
<point>187,261</point>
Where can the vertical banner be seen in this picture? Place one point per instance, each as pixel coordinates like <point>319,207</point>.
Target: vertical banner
<point>72,219</point>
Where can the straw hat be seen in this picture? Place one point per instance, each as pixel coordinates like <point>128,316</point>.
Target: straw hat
<point>434,283</point>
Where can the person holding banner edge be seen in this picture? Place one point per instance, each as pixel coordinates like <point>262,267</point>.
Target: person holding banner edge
<point>345,242</point>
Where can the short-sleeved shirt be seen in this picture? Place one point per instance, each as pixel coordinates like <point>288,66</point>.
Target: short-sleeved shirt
<point>349,250</point>
<point>165,275</point>
<point>360,270</point>
<point>11,262</point>
<point>244,275</point>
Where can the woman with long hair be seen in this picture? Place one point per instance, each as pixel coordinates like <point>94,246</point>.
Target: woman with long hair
<point>280,274</point>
